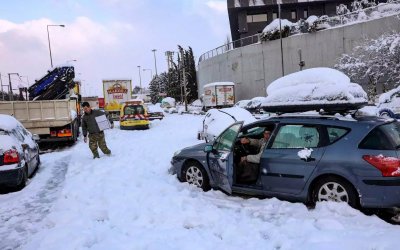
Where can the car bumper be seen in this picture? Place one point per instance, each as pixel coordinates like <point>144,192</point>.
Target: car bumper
<point>11,177</point>
<point>380,192</point>
<point>176,166</point>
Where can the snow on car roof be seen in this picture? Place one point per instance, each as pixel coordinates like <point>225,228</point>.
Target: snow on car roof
<point>8,122</point>
<point>219,84</point>
<point>385,97</point>
<point>314,86</point>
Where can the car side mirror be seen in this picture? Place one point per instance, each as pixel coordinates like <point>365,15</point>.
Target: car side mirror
<point>35,137</point>
<point>208,148</point>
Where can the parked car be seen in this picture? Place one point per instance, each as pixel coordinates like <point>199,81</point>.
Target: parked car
<point>217,120</point>
<point>133,115</point>
<point>19,153</point>
<point>154,112</point>
<point>308,158</point>
<point>389,104</point>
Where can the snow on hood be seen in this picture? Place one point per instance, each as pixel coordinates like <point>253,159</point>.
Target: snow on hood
<point>217,120</point>
<point>385,97</point>
<point>219,84</point>
<point>314,86</point>
<point>274,25</point>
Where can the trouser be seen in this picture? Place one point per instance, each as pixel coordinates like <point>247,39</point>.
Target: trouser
<point>248,171</point>
<point>98,140</point>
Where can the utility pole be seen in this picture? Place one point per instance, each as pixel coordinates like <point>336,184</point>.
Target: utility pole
<point>140,80</point>
<point>48,39</point>
<point>279,2</point>
<point>10,86</point>
<point>155,60</point>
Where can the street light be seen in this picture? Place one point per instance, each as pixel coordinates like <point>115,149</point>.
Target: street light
<point>72,60</point>
<point>155,60</point>
<point>11,95</point>
<point>151,72</point>
<point>48,38</point>
<point>140,80</point>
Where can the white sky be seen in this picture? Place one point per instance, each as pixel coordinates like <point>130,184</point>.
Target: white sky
<point>108,38</point>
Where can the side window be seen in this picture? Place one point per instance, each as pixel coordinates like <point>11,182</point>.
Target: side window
<point>335,133</point>
<point>297,136</point>
<point>225,141</point>
<point>18,135</point>
<point>378,139</point>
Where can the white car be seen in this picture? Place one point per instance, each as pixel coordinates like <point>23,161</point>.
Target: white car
<point>19,153</point>
<point>389,104</point>
<point>217,120</point>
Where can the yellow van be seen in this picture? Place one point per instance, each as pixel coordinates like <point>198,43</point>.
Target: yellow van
<point>133,115</point>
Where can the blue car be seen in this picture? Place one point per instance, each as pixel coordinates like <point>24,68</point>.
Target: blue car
<point>307,159</point>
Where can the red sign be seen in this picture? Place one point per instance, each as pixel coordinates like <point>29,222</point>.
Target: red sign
<point>117,89</point>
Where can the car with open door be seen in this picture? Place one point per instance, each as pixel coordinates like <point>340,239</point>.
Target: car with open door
<point>19,153</point>
<point>308,158</point>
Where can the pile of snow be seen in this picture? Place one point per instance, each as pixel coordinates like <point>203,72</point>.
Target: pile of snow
<point>196,106</point>
<point>314,86</point>
<point>217,120</point>
<point>168,102</point>
<point>274,25</point>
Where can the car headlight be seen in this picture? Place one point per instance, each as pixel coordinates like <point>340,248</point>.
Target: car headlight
<point>177,152</point>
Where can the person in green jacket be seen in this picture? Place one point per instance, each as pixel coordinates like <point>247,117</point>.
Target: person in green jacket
<point>96,136</point>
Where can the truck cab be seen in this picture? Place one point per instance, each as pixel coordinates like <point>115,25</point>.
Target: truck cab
<point>133,115</point>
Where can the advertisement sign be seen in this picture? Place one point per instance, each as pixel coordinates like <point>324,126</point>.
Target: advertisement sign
<point>115,93</point>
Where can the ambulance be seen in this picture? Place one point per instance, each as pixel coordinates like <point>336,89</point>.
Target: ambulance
<point>133,115</point>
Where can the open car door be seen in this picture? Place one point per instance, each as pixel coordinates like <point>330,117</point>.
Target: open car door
<point>220,158</point>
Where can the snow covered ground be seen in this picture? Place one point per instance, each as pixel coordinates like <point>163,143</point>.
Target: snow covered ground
<point>129,201</point>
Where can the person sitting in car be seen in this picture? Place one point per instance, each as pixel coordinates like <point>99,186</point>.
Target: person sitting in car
<point>248,167</point>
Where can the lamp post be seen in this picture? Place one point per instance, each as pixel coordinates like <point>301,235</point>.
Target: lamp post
<point>151,72</point>
<point>140,80</point>
<point>72,60</point>
<point>48,38</point>
<point>155,60</point>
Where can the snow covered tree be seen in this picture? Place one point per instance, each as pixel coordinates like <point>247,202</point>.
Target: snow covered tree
<point>375,60</point>
<point>342,9</point>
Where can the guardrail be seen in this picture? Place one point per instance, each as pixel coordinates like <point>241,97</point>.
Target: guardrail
<point>381,10</point>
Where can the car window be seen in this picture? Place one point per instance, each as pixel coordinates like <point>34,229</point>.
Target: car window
<point>335,133</point>
<point>225,141</point>
<point>133,110</point>
<point>378,139</point>
<point>384,137</point>
<point>252,132</point>
<point>296,136</point>
<point>17,134</point>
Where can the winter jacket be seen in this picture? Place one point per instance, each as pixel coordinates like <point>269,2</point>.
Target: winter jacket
<point>89,123</point>
<point>259,144</point>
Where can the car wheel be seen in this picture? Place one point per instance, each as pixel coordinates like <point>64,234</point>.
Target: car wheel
<point>194,173</point>
<point>24,179</point>
<point>38,161</point>
<point>335,189</point>
<point>386,113</point>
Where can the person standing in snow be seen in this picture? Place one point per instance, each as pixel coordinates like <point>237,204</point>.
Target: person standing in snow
<point>249,165</point>
<point>96,136</point>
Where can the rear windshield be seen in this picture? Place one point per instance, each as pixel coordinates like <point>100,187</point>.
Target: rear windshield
<point>384,137</point>
<point>134,110</point>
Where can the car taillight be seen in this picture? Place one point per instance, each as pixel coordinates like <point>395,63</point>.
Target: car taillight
<point>389,166</point>
<point>11,156</point>
<point>53,133</point>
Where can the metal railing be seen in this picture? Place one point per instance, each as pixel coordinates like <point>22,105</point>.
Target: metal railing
<point>230,46</point>
<point>381,10</point>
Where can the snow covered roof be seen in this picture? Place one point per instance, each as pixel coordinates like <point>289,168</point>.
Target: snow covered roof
<point>385,97</point>
<point>8,122</point>
<point>219,84</point>
<point>314,86</point>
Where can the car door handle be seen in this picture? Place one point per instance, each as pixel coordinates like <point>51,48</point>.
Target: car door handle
<point>308,159</point>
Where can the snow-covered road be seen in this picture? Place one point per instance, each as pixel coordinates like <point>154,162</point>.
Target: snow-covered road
<point>129,201</point>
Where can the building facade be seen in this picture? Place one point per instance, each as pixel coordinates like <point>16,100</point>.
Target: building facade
<point>249,17</point>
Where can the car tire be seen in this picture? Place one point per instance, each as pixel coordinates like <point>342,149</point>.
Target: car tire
<point>38,162</point>
<point>332,188</point>
<point>194,173</point>
<point>24,179</point>
<point>386,113</point>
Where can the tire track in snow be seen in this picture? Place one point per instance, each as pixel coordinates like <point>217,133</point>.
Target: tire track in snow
<point>21,219</point>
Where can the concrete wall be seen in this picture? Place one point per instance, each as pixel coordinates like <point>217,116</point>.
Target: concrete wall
<point>254,67</point>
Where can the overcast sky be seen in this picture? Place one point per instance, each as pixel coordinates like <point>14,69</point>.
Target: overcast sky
<point>107,38</point>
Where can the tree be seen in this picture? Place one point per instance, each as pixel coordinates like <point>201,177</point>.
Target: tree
<point>136,90</point>
<point>376,60</point>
